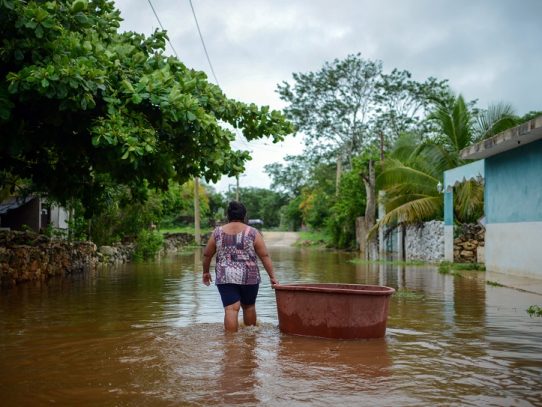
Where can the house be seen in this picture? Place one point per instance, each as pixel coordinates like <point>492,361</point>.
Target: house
<point>511,166</point>
<point>17,213</point>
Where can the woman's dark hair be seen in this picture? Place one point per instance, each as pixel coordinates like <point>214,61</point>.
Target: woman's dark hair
<point>236,211</point>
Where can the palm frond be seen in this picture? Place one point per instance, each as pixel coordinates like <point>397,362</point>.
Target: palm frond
<point>395,172</point>
<point>413,211</point>
<point>493,120</point>
<point>469,201</point>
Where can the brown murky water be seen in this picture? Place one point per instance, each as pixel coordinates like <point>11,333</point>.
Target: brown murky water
<point>151,335</point>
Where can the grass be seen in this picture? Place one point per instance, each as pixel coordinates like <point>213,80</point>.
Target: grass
<point>446,267</point>
<point>469,266</point>
<point>534,310</point>
<point>391,262</point>
<point>494,283</point>
<point>312,238</point>
<point>405,293</point>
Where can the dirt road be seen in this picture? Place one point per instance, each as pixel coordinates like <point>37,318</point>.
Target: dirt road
<point>280,239</point>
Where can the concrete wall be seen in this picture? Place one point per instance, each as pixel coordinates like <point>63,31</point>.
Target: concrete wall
<point>513,185</point>
<point>514,248</point>
<point>59,217</point>
<point>513,209</point>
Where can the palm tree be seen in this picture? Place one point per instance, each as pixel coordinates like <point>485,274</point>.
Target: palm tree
<point>413,170</point>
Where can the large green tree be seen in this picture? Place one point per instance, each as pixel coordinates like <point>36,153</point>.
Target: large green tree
<point>350,103</point>
<point>84,107</point>
<point>291,176</point>
<point>261,203</point>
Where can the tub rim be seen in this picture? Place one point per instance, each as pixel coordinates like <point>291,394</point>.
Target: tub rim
<point>331,288</point>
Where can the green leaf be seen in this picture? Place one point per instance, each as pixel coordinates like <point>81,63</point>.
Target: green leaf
<point>39,31</point>
<point>96,141</point>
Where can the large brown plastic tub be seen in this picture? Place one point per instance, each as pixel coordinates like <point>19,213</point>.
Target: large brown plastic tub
<point>341,311</point>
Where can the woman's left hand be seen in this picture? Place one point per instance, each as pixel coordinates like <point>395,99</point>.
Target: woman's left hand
<point>207,278</point>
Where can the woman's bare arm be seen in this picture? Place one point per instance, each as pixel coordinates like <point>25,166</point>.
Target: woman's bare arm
<point>208,254</point>
<point>261,251</point>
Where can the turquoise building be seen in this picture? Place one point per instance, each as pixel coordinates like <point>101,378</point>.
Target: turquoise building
<point>510,164</point>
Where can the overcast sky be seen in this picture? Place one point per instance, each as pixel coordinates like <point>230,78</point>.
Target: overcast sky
<point>490,50</point>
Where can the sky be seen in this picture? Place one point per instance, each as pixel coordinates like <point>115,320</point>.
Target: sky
<point>489,50</point>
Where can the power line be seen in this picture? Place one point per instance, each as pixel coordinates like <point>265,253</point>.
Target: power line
<point>203,42</point>
<point>162,27</point>
<point>239,139</point>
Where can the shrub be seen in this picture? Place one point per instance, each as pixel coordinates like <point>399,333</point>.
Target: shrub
<point>148,244</point>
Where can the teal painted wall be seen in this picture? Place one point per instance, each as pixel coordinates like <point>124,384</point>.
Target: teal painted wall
<point>513,185</point>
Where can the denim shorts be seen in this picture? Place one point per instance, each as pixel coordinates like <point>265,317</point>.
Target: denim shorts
<point>231,293</point>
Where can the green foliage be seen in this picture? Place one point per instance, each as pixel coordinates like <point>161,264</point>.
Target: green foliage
<point>313,239</point>
<point>391,262</point>
<point>349,204</point>
<point>446,267</point>
<point>468,266</point>
<point>178,204</point>
<point>124,216</point>
<point>84,108</point>
<point>347,104</point>
<point>343,110</point>
<point>415,166</point>
<point>291,216</point>
<point>409,178</point>
<point>534,310</point>
<point>148,244</point>
<point>406,294</point>
<point>291,177</point>
<point>261,203</point>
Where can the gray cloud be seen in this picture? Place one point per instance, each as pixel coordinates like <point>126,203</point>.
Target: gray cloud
<point>489,50</point>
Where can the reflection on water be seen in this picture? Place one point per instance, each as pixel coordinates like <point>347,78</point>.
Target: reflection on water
<point>151,334</point>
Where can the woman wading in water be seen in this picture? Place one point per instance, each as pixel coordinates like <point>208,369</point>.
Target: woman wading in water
<point>237,247</point>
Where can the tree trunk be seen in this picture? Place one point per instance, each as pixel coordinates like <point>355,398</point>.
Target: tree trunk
<point>338,175</point>
<point>370,211</point>
<point>197,230</point>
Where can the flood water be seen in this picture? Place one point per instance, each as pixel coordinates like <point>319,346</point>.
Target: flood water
<point>152,335</point>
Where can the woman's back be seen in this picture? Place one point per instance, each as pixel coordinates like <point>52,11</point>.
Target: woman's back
<point>233,228</point>
<point>236,261</point>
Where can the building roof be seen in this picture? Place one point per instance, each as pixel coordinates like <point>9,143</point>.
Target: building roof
<point>507,140</point>
<point>13,203</point>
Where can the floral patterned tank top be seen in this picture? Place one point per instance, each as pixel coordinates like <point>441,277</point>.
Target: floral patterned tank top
<point>236,260</point>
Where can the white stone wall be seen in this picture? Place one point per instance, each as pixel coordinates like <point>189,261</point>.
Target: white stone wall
<point>425,242</point>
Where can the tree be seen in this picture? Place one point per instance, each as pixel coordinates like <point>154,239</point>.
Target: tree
<point>403,104</point>
<point>414,168</point>
<point>344,107</point>
<point>348,205</point>
<point>291,176</point>
<point>349,107</point>
<point>334,106</point>
<point>262,204</point>
<point>84,107</point>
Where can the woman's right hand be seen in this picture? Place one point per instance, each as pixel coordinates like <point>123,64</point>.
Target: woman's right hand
<point>274,281</point>
<point>207,278</point>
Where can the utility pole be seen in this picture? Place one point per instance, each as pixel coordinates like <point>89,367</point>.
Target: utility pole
<point>237,190</point>
<point>339,173</point>
<point>197,229</point>
<point>381,146</point>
